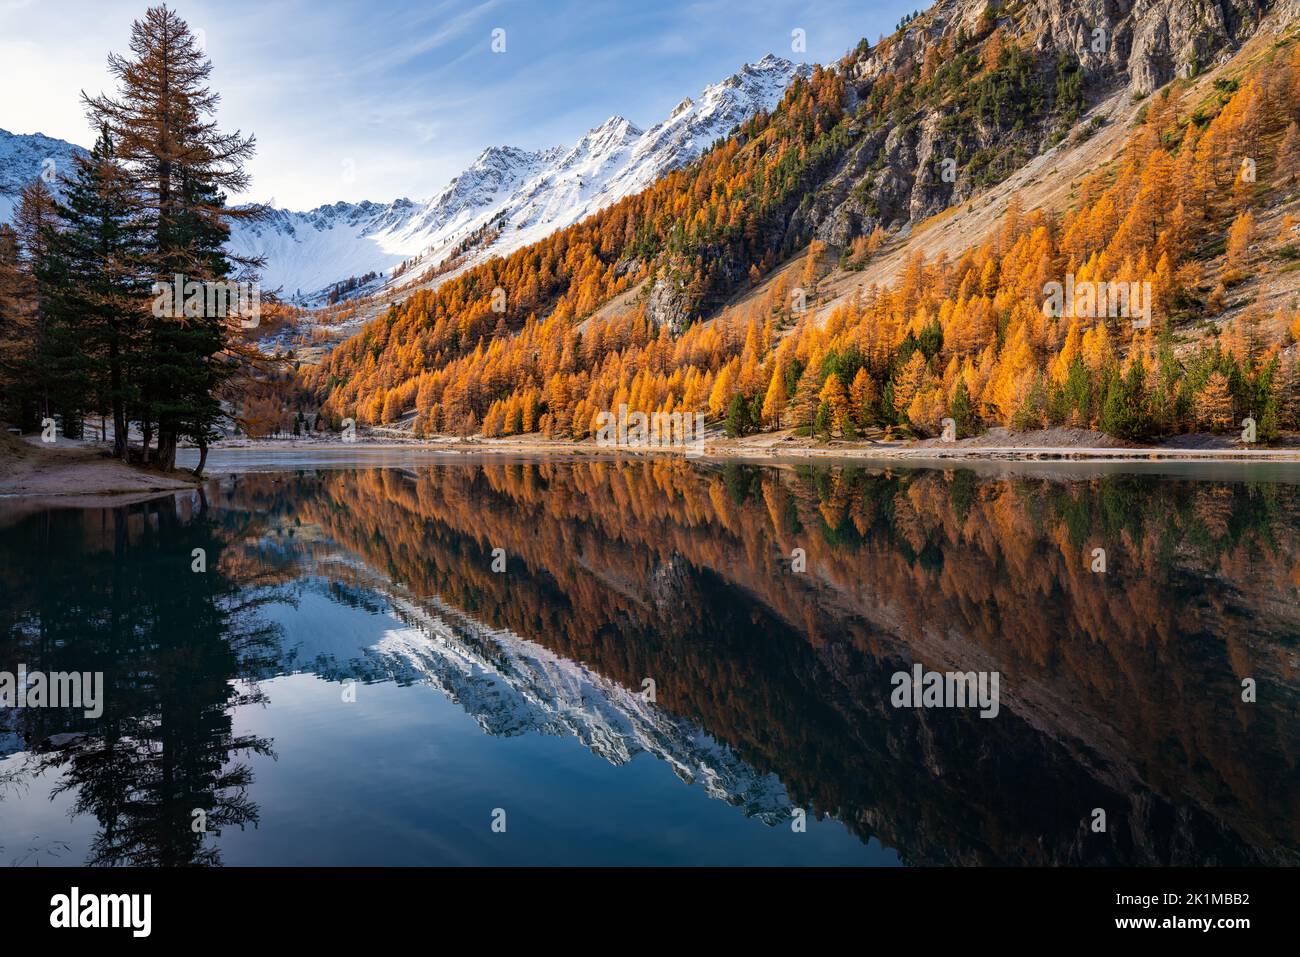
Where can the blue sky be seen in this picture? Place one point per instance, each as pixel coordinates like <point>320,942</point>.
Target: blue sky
<point>380,99</point>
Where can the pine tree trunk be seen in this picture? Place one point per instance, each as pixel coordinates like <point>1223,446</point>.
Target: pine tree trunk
<point>119,408</point>
<point>119,432</point>
<point>166,457</point>
<point>203,457</point>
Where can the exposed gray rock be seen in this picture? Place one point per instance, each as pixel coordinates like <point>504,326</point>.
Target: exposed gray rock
<point>893,176</point>
<point>668,304</point>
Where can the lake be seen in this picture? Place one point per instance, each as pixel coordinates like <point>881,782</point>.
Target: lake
<point>391,658</point>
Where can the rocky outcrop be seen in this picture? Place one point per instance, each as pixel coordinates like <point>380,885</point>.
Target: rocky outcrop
<point>1145,43</point>
<point>941,152</point>
<point>668,304</point>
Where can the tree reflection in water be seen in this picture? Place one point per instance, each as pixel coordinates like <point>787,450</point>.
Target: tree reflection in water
<point>1120,690</point>
<point>111,590</point>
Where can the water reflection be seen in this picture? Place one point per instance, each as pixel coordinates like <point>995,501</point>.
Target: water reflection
<point>1121,690</point>
<point>111,591</point>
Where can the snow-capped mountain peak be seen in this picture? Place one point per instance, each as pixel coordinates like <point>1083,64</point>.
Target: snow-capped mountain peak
<point>510,197</point>
<point>615,126</point>
<point>618,159</point>
<point>24,158</point>
<point>506,198</point>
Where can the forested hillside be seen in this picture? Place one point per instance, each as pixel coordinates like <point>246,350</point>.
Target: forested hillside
<point>1193,207</point>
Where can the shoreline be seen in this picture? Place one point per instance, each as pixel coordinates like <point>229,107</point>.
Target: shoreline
<point>783,446</point>
<point>836,451</point>
<point>83,476</point>
<point>79,475</point>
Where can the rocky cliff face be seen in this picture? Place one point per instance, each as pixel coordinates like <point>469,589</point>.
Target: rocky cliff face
<point>1144,44</point>
<point>985,86</point>
<point>966,94</point>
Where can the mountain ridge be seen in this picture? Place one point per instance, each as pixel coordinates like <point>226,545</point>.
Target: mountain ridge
<point>27,156</point>
<point>516,195</point>
<point>527,193</point>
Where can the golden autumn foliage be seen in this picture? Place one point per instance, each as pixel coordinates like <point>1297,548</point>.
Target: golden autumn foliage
<point>1142,221</point>
<point>1214,404</point>
<point>722,198</point>
<point>1142,225</point>
<point>1239,238</point>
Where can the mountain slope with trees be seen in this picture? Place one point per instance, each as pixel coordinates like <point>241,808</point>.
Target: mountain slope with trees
<point>507,348</point>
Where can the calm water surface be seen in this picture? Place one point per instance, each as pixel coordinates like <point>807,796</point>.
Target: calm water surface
<point>351,681</point>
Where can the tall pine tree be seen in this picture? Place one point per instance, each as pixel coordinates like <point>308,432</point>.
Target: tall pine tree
<point>15,326</point>
<point>101,247</point>
<point>161,122</point>
<point>44,361</point>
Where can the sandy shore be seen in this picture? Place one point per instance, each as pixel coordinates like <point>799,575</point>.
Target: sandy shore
<point>74,473</point>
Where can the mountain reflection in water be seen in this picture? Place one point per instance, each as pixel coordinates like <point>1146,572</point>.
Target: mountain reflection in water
<point>1119,690</point>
